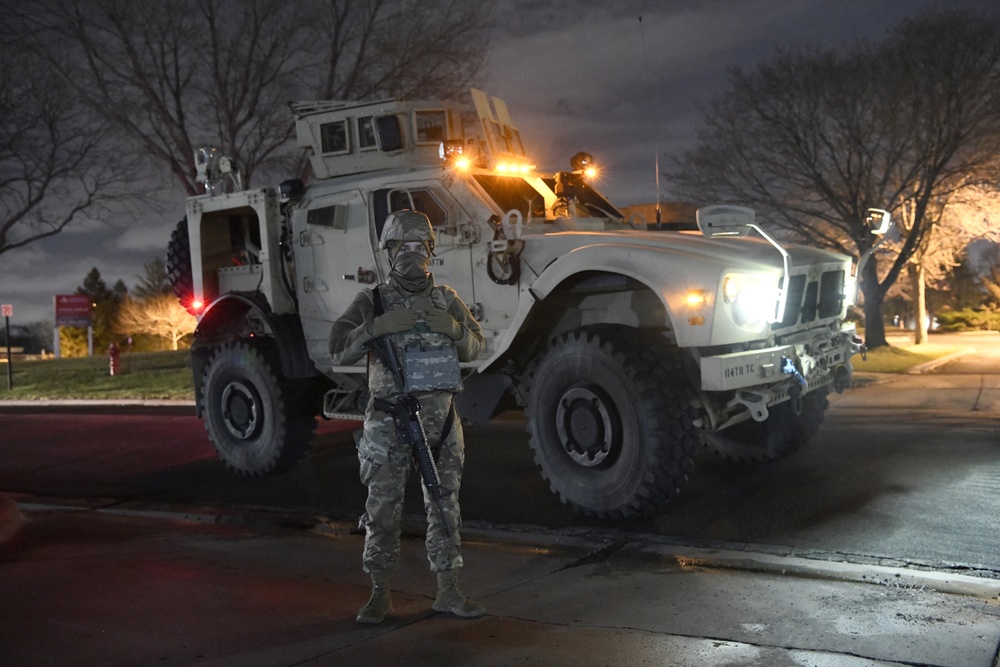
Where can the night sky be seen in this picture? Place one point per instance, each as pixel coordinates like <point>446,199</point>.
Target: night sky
<point>575,76</point>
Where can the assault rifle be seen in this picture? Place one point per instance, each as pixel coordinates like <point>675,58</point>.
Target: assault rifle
<point>409,426</point>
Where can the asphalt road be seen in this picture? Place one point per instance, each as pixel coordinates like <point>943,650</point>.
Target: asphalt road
<point>905,470</point>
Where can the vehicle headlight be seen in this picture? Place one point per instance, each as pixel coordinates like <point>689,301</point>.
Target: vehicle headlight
<point>751,299</point>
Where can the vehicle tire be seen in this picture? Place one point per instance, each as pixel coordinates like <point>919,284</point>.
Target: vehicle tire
<point>610,421</point>
<point>783,433</point>
<point>179,266</point>
<point>257,423</point>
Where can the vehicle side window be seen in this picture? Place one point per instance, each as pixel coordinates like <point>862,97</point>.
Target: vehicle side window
<point>431,126</point>
<point>333,137</point>
<point>366,133</point>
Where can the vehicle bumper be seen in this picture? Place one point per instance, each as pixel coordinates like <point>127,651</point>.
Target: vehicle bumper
<point>810,360</point>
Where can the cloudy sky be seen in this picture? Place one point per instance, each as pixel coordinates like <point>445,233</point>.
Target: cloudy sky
<point>576,74</point>
<point>590,76</point>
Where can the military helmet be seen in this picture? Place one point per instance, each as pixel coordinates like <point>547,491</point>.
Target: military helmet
<point>406,225</point>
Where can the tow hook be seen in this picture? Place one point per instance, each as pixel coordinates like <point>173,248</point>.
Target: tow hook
<point>754,401</point>
<point>859,346</point>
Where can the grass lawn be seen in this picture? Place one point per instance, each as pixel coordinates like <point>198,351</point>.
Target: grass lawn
<point>167,375</point>
<point>149,375</point>
<point>900,359</point>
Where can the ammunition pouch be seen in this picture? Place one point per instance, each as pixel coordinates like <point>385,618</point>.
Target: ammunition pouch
<point>428,367</point>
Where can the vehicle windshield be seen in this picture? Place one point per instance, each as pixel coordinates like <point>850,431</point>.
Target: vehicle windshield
<point>513,193</point>
<point>516,193</point>
<point>589,202</point>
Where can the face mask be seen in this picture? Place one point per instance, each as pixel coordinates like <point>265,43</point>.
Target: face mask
<point>409,269</point>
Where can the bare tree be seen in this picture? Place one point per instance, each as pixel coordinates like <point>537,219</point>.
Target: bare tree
<point>178,74</point>
<point>154,281</point>
<point>814,138</point>
<point>57,163</point>
<point>401,48</point>
<point>161,315</point>
<point>971,213</point>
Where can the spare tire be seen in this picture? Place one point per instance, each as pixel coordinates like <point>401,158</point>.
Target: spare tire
<point>179,266</point>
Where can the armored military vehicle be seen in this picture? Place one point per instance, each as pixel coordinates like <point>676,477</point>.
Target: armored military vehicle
<point>626,345</point>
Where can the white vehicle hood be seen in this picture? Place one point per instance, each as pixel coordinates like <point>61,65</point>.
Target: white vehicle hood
<point>749,252</point>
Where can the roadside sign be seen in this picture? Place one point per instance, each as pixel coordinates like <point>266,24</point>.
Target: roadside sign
<point>73,310</point>
<point>7,310</point>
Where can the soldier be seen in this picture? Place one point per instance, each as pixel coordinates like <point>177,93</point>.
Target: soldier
<point>431,320</point>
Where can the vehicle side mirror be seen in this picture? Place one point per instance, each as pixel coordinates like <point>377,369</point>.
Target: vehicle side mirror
<point>879,221</point>
<point>725,220</point>
<point>389,133</point>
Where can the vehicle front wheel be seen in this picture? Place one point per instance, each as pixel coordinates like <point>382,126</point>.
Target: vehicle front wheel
<point>610,421</point>
<point>255,421</point>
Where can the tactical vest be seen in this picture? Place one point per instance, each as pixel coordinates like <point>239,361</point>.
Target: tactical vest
<point>429,359</point>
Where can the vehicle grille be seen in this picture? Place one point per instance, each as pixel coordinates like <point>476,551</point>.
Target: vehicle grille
<point>817,299</point>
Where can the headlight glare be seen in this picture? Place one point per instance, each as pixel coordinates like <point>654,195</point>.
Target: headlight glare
<point>752,300</point>
<point>730,288</point>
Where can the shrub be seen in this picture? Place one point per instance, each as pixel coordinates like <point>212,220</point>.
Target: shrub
<point>968,319</point>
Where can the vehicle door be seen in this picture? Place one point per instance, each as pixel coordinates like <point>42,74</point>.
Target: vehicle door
<point>334,261</point>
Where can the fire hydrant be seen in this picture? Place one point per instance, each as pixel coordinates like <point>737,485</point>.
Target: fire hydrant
<point>113,357</point>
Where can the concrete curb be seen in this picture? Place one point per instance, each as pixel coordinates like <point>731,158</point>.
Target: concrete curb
<point>96,402</point>
<point>940,361</point>
<point>881,575</point>
<point>759,561</point>
<point>595,541</point>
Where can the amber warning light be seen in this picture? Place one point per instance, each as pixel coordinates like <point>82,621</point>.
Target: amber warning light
<point>452,154</point>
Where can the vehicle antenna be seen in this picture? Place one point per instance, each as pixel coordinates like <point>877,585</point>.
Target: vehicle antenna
<point>656,132</point>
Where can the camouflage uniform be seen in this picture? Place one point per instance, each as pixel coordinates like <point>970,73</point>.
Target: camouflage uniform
<point>385,462</point>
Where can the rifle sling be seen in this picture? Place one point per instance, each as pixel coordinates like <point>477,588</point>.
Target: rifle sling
<point>390,408</point>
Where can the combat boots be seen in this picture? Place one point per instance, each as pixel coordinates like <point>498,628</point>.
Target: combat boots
<point>451,600</point>
<point>380,604</point>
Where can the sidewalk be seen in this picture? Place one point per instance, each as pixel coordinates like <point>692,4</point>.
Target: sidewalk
<point>86,587</point>
<point>905,341</point>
